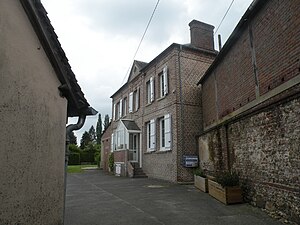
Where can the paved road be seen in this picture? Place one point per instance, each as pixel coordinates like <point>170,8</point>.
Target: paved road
<point>94,198</point>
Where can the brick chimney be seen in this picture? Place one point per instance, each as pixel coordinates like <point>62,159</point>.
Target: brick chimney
<point>202,35</point>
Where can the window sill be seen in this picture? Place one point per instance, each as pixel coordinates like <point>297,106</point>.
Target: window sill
<point>148,104</point>
<point>164,151</point>
<point>149,152</point>
<point>161,98</point>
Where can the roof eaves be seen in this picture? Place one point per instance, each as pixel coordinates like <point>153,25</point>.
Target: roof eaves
<point>77,104</point>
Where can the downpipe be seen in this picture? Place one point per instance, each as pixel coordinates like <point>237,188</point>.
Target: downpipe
<point>69,130</point>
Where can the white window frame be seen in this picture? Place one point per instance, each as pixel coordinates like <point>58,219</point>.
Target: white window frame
<point>130,103</point>
<point>120,108</point>
<point>151,89</point>
<point>164,82</point>
<point>114,112</point>
<point>137,100</point>
<point>124,111</point>
<point>151,135</point>
<point>112,143</point>
<point>165,133</point>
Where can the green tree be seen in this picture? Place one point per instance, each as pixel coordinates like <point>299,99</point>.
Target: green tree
<point>73,138</point>
<point>106,121</point>
<point>99,129</point>
<point>85,140</point>
<point>92,134</point>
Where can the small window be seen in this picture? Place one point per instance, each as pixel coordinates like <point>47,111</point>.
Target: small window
<point>163,78</point>
<point>124,107</point>
<point>130,104</point>
<point>150,126</point>
<point>165,132</point>
<point>150,90</point>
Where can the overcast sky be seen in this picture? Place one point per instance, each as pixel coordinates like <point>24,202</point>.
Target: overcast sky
<point>100,37</point>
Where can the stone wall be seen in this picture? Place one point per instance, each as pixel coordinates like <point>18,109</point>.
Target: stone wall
<point>263,148</point>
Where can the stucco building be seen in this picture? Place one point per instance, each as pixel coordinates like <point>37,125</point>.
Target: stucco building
<point>251,107</point>
<point>156,112</point>
<point>38,93</point>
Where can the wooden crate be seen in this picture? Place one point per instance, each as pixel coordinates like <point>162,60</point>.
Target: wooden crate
<point>201,183</point>
<point>227,195</point>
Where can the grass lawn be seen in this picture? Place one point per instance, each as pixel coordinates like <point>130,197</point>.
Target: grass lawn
<point>78,168</point>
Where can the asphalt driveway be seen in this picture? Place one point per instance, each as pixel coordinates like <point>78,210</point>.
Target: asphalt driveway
<point>94,198</point>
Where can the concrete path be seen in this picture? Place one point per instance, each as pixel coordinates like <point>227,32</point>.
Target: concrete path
<point>94,198</point>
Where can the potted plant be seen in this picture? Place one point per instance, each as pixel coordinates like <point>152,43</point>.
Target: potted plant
<point>226,188</point>
<point>200,180</point>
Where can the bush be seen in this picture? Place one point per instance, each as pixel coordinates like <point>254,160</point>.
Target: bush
<point>228,179</point>
<point>111,161</point>
<point>97,157</point>
<point>74,158</point>
<point>74,148</point>
<point>199,172</point>
<point>87,157</point>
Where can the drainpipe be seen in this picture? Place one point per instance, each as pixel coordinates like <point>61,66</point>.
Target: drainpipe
<point>69,129</point>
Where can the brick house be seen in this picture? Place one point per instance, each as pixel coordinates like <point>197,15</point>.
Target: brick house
<point>105,147</point>
<point>251,107</point>
<point>38,93</point>
<point>156,112</point>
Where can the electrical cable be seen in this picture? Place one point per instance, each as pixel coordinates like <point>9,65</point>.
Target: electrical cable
<point>142,38</point>
<point>224,16</point>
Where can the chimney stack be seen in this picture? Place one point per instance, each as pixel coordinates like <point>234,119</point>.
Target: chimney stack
<point>202,35</point>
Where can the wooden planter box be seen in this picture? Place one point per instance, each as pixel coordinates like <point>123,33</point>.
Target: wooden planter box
<point>201,183</point>
<point>227,195</point>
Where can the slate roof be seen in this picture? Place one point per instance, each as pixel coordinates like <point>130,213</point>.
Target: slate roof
<point>77,104</point>
<point>131,125</point>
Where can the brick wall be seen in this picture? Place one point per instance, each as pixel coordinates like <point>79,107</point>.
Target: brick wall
<point>276,50</point>
<point>105,148</point>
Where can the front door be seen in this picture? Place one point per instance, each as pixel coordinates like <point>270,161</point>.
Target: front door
<point>134,144</point>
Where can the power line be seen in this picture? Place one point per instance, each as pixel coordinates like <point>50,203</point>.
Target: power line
<point>141,39</point>
<point>224,16</point>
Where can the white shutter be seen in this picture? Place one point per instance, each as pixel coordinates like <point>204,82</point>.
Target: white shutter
<point>130,104</point>
<point>137,99</point>
<point>121,108</point>
<point>112,143</point>
<point>152,134</point>
<point>167,131</point>
<point>114,112</point>
<point>151,89</point>
<point>165,77</point>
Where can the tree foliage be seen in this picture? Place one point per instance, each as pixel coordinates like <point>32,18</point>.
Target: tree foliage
<point>85,140</point>
<point>92,134</point>
<point>106,121</point>
<point>73,138</point>
<point>99,129</point>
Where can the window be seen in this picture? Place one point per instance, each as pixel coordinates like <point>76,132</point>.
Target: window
<point>112,143</point>
<point>120,108</point>
<point>136,97</point>
<point>124,108</point>
<point>117,110</point>
<point>163,78</point>
<point>130,104</point>
<point>165,132</point>
<point>150,126</point>
<point>150,90</point>
<point>119,139</point>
